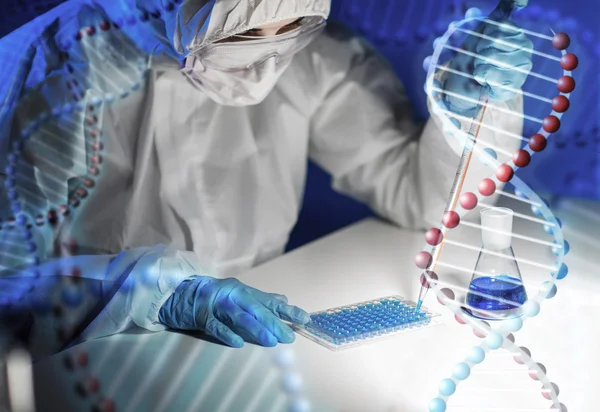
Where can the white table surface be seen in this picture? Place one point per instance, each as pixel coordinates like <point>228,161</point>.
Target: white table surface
<point>169,371</point>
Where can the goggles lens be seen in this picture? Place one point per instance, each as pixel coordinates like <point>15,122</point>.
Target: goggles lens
<point>235,56</point>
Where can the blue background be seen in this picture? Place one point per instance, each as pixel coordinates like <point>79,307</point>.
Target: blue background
<point>404,32</point>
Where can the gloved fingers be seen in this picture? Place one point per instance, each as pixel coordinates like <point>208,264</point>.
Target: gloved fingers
<point>243,324</point>
<point>255,291</point>
<point>508,61</point>
<point>461,95</point>
<point>503,41</point>
<point>470,43</point>
<point>218,330</point>
<point>514,4</point>
<point>501,82</point>
<point>505,6</point>
<point>280,297</point>
<point>286,312</point>
<point>280,330</point>
<point>503,27</point>
<point>503,45</point>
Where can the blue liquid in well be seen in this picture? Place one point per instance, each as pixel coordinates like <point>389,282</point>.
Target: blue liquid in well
<point>502,286</point>
<point>359,322</point>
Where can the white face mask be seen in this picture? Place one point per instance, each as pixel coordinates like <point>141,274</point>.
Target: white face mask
<point>244,73</point>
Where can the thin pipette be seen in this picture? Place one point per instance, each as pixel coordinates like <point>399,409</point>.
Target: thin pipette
<point>501,12</point>
<point>459,179</point>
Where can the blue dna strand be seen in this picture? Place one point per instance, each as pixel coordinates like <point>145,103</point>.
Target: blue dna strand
<point>57,157</point>
<point>543,241</point>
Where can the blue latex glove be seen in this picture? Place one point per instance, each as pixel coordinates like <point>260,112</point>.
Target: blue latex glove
<point>503,60</point>
<point>231,312</point>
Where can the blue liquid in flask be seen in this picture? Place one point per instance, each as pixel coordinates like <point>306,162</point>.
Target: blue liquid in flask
<point>496,290</point>
<point>509,289</point>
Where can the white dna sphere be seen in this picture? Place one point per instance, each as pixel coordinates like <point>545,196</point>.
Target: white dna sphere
<point>545,266</point>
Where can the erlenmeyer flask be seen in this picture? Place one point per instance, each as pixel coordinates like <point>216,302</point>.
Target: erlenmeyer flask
<point>496,290</point>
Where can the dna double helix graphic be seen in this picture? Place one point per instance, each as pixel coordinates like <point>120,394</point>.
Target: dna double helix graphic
<point>54,165</point>
<point>580,137</point>
<point>539,223</point>
<point>406,28</point>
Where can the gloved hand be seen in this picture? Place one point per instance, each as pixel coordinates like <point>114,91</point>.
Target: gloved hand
<point>502,64</point>
<point>231,312</point>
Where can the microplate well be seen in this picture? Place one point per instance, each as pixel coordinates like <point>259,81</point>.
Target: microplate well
<point>365,322</point>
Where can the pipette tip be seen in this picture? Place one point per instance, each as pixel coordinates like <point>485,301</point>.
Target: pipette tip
<point>422,294</point>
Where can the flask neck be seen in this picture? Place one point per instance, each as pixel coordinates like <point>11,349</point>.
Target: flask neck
<point>496,228</point>
<point>497,243</point>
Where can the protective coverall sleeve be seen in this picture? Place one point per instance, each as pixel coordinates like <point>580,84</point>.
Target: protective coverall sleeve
<point>96,296</point>
<point>364,136</point>
<point>148,277</point>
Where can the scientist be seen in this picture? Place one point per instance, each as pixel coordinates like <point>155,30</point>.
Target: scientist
<point>208,158</point>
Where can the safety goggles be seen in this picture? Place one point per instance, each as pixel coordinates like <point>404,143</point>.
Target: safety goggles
<point>248,54</point>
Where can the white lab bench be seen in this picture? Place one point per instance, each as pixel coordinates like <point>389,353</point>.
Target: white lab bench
<point>173,372</point>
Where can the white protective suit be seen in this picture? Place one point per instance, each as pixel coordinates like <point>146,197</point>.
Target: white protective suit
<point>222,186</point>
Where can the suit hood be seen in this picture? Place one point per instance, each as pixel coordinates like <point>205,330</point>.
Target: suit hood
<point>196,23</point>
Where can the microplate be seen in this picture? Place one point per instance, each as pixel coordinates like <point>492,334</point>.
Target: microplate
<point>365,322</point>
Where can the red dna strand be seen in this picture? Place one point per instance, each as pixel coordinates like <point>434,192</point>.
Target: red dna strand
<point>542,231</point>
<point>580,137</point>
<point>60,158</point>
